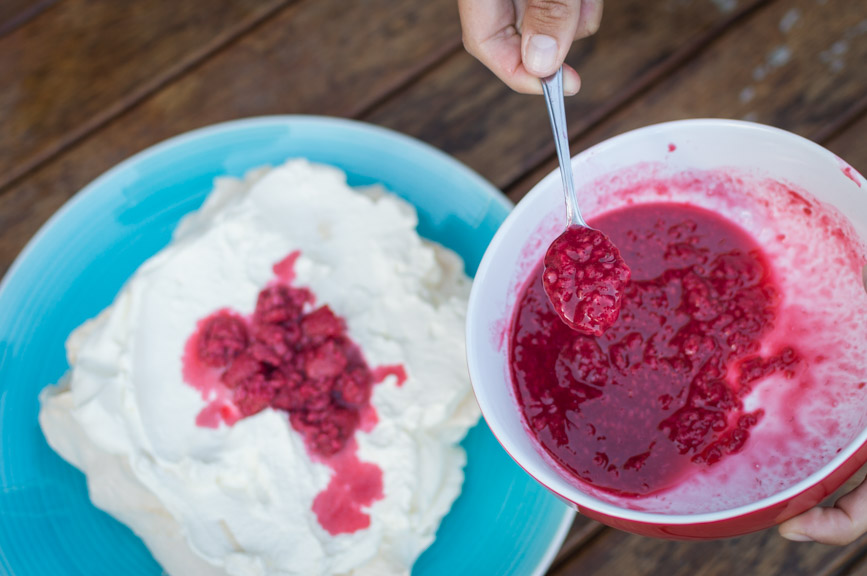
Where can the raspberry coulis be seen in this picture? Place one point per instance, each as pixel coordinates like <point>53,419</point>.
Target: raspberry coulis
<point>660,394</point>
<point>584,277</point>
<point>292,357</point>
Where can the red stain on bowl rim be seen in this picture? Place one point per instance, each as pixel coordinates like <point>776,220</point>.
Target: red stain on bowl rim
<point>850,174</point>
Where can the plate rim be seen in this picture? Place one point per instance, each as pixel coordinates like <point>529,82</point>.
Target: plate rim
<point>556,542</point>
<point>93,186</point>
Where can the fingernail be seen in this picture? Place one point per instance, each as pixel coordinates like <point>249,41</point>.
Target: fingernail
<point>541,55</point>
<point>796,537</point>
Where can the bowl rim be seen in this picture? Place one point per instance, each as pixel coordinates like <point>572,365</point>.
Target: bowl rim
<point>93,186</point>
<point>475,332</point>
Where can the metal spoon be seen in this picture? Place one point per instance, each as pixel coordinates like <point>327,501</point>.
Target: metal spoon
<point>553,88</point>
<point>584,273</point>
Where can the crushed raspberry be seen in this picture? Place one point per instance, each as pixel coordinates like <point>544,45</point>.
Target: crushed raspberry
<point>326,430</point>
<point>286,358</point>
<point>584,279</point>
<point>635,409</point>
<point>280,303</point>
<point>302,363</point>
<point>324,361</point>
<point>254,395</point>
<point>244,368</point>
<point>322,323</point>
<point>271,344</point>
<point>352,388</point>
<point>224,336</point>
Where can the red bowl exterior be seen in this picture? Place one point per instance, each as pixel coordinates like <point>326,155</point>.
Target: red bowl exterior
<point>727,525</point>
<point>754,521</point>
<point>745,523</point>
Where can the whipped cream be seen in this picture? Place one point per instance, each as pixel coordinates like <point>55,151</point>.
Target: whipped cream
<point>237,499</point>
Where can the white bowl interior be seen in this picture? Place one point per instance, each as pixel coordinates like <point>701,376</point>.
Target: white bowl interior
<point>753,154</point>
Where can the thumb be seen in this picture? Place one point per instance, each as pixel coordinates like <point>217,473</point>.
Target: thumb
<point>547,31</point>
<point>841,524</point>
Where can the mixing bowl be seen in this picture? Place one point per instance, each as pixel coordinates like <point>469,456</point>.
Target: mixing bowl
<point>751,174</point>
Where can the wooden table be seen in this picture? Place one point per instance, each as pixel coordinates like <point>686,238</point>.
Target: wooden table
<point>86,83</point>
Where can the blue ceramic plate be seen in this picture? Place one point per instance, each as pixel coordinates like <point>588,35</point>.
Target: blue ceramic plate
<point>503,522</point>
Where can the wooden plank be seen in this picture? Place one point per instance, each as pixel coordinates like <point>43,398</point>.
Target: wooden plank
<point>797,65</point>
<point>766,553</point>
<point>15,13</point>
<point>857,566</point>
<point>84,61</point>
<point>281,68</point>
<point>470,114</point>
<point>583,530</point>
<point>851,146</point>
<point>615,552</point>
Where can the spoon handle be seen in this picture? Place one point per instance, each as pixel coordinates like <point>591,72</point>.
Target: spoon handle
<point>553,88</point>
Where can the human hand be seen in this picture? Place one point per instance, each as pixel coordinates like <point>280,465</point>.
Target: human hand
<point>524,40</point>
<point>839,525</point>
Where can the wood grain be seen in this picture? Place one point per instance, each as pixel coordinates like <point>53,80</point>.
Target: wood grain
<point>765,553</point>
<point>84,61</point>
<point>282,68</point>
<point>15,13</point>
<point>470,114</point>
<point>851,146</point>
<point>857,566</point>
<point>583,530</point>
<point>780,67</point>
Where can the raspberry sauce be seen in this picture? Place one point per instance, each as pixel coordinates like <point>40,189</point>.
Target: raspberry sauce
<point>296,358</point>
<point>660,393</point>
<point>584,277</point>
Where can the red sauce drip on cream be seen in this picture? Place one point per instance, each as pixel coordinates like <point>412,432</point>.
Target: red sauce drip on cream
<point>354,486</point>
<point>659,394</point>
<point>380,373</point>
<point>285,268</point>
<point>206,379</point>
<point>301,361</point>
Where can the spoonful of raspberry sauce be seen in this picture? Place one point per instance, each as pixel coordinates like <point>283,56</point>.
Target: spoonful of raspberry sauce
<point>584,274</point>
